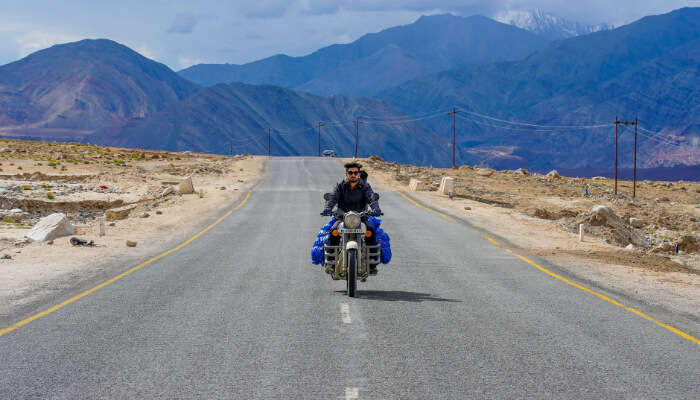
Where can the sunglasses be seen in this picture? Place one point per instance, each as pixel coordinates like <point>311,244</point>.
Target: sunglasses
<point>353,172</point>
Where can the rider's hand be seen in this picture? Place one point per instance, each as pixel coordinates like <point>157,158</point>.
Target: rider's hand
<point>377,212</point>
<point>327,213</point>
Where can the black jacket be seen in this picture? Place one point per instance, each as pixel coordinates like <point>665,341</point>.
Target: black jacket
<point>348,199</point>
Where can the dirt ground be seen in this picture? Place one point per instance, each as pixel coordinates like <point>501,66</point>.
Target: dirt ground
<point>94,180</point>
<point>506,203</point>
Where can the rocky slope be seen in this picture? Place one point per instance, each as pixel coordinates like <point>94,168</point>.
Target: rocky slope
<point>240,115</point>
<point>68,91</point>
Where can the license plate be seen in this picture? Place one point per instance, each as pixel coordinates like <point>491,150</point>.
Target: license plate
<point>351,231</point>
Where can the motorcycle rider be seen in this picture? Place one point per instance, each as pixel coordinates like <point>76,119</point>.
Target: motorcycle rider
<point>353,194</point>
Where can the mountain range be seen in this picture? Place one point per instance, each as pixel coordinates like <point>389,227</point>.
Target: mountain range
<point>382,60</point>
<point>648,69</point>
<point>240,114</point>
<point>102,92</point>
<point>99,91</point>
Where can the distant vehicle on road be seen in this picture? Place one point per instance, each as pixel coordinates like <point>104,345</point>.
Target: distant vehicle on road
<point>328,153</point>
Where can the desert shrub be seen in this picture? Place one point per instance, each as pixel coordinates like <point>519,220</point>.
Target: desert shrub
<point>50,196</point>
<point>26,187</point>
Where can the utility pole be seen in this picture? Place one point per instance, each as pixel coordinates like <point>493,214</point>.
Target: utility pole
<point>634,184</point>
<point>357,135</point>
<point>454,122</point>
<point>269,133</point>
<point>618,122</point>
<point>320,124</point>
<point>230,149</point>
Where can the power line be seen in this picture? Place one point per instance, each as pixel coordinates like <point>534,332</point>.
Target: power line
<point>537,125</point>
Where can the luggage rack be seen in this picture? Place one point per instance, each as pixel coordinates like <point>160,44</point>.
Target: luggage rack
<point>371,254</point>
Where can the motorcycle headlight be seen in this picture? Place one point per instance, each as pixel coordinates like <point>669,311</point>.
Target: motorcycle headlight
<point>352,221</point>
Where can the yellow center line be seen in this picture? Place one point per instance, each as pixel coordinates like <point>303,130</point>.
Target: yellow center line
<point>134,269</point>
<point>423,207</point>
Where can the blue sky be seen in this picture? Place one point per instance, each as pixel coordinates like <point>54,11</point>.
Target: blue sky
<point>180,33</point>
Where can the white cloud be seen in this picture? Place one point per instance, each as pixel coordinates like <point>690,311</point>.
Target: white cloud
<point>36,40</point>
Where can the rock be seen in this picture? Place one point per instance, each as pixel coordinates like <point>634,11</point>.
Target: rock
<point>112,224</point>
<point>553,174</point>
<point>186,186</point>
<point>447,185</point>
<point>16,211</point>
<point>49,242</point>
<point>6,150</point>
<point>521,171</point>
<point>689,243</point>
<point>6,257</point>
<point>222,188</point>
<point>186,153</point>
<point>130,243</point>
<point>613,227</point>
<point>599,178</point>
<point>467,208</point>
<point>662,199</point>
<point>636,222</point>
<point>144,215</point>
<point>485,172</point>
<point>159,212</point>
<point>543,214</point>
<point>414,185</point>
<point>115,214</point>
<point>168,190</point>
<point>629,247</point>
<point>51,227</point>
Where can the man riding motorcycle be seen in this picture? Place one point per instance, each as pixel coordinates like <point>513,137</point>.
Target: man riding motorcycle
<point>353,194</point>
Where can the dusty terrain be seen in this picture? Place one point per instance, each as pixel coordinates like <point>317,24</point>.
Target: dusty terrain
<point>84,181</point>
<point>540,215</point>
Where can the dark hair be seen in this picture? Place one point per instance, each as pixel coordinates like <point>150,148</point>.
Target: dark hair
<point>353,165</point>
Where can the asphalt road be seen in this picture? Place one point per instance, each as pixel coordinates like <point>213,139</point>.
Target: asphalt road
<point>241,313</point>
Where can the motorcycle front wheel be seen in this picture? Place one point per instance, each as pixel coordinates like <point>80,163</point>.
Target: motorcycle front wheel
<point>352,272</point>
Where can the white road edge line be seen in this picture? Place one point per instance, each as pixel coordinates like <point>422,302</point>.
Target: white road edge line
<point>352,393</point>
<point>345,313</point>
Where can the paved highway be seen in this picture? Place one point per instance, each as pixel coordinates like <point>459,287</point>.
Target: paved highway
<point>240,312</point>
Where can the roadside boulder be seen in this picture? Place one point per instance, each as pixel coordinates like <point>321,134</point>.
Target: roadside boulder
<point>186,186</point>
<point>636,222</point>
<point>51,227</point>
<point>604,221</point>
<point>168,190</point>
<point>115,214</point>
<point>553,174</point>
<point>485,172</point>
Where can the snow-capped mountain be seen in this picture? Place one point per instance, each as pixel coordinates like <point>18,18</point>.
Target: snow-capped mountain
<point>547,25</point>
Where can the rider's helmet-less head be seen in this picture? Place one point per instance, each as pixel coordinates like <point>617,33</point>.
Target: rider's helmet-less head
<point>352,170</point>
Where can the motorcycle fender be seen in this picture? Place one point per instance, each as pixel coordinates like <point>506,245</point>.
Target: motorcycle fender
<point>351,245</point>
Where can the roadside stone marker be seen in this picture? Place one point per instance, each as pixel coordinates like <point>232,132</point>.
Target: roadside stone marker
<point>447,185</point>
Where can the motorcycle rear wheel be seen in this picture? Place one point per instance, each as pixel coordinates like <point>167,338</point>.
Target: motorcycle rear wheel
<point>352,272</point>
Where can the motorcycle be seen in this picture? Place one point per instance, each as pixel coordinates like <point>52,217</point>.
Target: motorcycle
<point>351,259</point>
